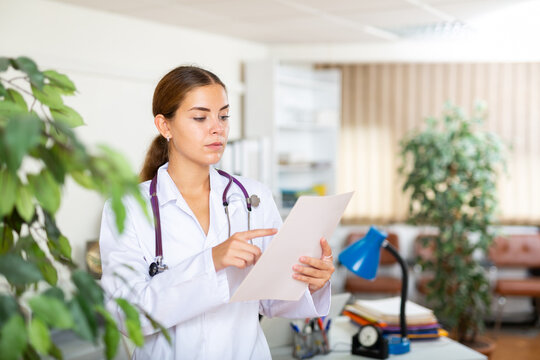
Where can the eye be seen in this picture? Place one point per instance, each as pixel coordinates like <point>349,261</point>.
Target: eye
<point>224,117</point>
<point>199,118</point>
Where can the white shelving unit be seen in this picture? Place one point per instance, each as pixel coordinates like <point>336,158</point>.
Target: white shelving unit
<point>297,108</point>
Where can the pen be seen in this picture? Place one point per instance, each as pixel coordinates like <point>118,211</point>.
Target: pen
<point>328,325</point>
<point>295,328</point>
<point>323,332</point>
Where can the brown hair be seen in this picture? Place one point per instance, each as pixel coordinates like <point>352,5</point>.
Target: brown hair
<point>168,95</point>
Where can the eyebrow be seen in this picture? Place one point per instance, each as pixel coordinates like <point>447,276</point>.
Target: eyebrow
<point>206,109</point>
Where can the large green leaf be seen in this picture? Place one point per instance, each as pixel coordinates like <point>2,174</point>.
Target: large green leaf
<point>30,68</point>
<point>64,246</point>
<point>55,352</point>
<point>81,324</point>
<point>6,238</point>
<point>68,116</point>
<point>3,91</point>
<point>30,353</point>
<point>13,338</point>
<point>39,335</point>
<point>53,162</point>
<point>8,307</point>
<point>51,310</point>
<point>50,227</point>
<point>22,133</point>
<point>118,207</point>
<point>84,178</point>
<point>111,337</point>
<point>49,272</point>
<point>8,191</point>
<point>88,287</point>
<point>55,293</point>
<point>15,97</point>
<point>61,81</point>
<point>33,251</point>
<point>8,109</point>
<point>24,203</point>
<point>49,95</point>
<point>46,190</point>
<point>133,323</point>
<point>4,63</point>
<point>18,271</point>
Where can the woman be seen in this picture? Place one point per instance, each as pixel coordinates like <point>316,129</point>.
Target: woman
<point>206,255</point>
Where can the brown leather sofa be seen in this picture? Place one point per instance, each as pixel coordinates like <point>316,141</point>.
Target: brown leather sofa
<point>382,284</point>
<point>516,251</point>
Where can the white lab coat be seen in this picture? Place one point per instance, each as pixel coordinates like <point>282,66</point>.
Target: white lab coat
<point>191,298</point>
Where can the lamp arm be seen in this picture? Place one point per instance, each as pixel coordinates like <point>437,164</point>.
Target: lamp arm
<point>404,285</point>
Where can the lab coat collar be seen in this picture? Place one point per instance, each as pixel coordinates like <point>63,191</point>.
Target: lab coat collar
<point>217,182</point>
<point>166,188</point>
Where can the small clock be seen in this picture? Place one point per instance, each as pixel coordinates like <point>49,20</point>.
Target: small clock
<point>370,342</point>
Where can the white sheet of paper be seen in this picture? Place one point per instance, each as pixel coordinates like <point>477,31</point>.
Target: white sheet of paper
<point>311,218</point>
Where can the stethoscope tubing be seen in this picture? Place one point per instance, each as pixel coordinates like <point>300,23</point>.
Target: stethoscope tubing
<point>158,266</point>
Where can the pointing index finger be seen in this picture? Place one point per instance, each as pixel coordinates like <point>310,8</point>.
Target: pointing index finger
<point>251,234</point>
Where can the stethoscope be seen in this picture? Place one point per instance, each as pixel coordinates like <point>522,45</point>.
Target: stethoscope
<point>158,266</point>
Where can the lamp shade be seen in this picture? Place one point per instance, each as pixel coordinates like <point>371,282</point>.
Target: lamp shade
<point>362,257</point>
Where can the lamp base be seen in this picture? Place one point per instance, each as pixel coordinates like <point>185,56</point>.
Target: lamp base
<point>398,345</point>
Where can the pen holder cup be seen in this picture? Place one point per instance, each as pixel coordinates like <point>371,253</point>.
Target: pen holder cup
<point>321,342</point>
<point>303,345</point>
<point>307,345</point>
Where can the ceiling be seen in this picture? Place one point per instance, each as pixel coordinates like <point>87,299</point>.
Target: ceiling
<point>310,21</point>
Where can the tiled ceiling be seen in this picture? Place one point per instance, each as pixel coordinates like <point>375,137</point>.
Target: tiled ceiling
<point>306,21</point>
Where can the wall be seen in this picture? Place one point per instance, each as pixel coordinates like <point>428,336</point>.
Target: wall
<point>115,61</point>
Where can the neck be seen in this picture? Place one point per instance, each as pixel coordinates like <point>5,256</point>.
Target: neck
<point>189,178</point>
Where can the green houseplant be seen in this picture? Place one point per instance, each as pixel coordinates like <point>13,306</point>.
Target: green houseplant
<point>38,152</point>
<point>450,173</point>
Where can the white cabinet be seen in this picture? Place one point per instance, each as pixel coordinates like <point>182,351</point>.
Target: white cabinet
<point>297,109</point>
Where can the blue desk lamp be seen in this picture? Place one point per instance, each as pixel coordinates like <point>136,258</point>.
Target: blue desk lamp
<point>362,258</point>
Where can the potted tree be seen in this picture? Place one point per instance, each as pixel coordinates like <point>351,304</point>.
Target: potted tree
<point>450,171</point>
<point>38,152</point>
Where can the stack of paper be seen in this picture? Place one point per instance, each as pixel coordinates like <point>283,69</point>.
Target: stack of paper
<point>421,322</point>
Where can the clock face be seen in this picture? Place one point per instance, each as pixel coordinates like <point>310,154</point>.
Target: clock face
<point>368,336</point>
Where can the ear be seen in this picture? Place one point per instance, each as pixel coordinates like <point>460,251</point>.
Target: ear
<point>162,125</point>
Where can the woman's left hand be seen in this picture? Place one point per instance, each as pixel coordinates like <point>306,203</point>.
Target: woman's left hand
<point>315,272</point>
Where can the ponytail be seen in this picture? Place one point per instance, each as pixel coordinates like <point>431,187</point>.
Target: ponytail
<point>157,155</point>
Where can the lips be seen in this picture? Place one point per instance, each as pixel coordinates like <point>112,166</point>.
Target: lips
<point>215,146</point>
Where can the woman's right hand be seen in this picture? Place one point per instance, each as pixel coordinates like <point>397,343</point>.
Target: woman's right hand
<point>237,251</point>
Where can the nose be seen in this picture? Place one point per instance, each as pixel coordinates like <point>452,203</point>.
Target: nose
<point>218,126</point>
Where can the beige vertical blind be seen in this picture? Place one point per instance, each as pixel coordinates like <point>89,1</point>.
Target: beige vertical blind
<point>382,102</point>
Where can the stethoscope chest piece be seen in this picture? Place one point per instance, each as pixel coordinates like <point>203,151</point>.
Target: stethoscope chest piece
<point>254,200</point>
<point>153,270</point>
<point>157,266</point>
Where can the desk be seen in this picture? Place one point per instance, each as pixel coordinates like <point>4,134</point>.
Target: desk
<point>340,343</point>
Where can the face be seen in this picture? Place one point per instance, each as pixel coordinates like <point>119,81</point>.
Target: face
<point>200,127</point>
